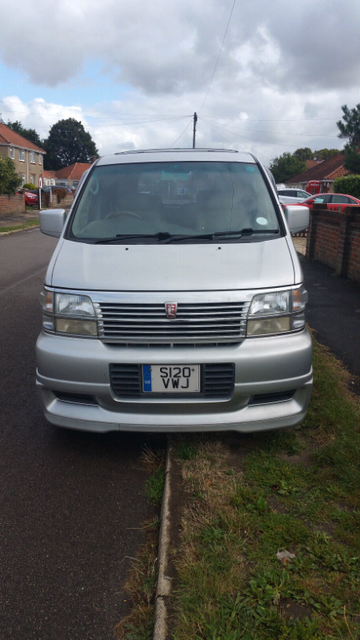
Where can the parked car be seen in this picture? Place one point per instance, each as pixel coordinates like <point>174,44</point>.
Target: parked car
<point>174,300</point>
<point>333,201</point>
<point>53,187</point>
<point>31,196</point>
<point>291,196</point>
<point>331,198</point>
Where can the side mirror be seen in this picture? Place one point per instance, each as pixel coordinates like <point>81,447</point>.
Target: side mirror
<point>297,217</point>
<point>52,222</point>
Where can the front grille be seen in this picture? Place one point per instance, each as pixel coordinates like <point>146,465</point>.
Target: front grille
<point>217,381</point>
<point>125,380</point>
<point>195,323</point>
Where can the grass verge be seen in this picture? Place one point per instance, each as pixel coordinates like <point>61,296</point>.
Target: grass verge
<point>270,530</point>
<point>142,576</point>
<point>19,227</point>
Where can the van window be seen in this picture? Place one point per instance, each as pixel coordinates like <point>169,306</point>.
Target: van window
<point>182,199</point>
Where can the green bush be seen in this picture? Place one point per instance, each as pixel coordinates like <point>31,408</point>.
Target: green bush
<point>9,179</point>
<point>29,185</point>
<point>348,184</point>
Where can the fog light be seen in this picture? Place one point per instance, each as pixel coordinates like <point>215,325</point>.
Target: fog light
<point>76,327</point>
<point>264,326</point>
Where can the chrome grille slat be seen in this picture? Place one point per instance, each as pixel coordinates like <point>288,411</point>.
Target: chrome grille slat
<point>147,323</point>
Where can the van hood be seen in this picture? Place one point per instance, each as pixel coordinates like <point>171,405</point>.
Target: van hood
<point>173,267</point>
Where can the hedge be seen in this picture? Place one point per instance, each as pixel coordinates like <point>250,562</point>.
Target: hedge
<point>348,184</point>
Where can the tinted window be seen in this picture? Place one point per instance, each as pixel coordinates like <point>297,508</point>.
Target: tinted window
<point>180,198</point>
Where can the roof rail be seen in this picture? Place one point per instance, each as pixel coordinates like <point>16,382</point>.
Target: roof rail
<point>119,153</point>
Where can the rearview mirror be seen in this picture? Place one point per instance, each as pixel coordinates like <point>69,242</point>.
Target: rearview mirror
<point>52,222</point>
<point>297,217</point>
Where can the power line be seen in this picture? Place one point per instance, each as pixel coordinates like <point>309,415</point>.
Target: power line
<point>180,136</point>
<point>219,54</point>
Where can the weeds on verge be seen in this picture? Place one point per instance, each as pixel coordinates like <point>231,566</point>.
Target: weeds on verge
<point>142,577</point>
<point>295,491</point>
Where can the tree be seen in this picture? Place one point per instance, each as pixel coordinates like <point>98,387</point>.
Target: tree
<point>29,134</point>
<point>68,142</point>
<point>286,166</point>
<point>352,160</point>
<point>9,179</point>
<point>324,154</point>
<point>304,154</point>
<point>350,128</point>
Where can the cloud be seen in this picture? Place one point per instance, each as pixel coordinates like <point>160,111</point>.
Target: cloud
<point>171,46</point>
<point>282,72</point>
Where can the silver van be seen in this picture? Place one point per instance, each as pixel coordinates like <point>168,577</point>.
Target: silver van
<point>174,300</point>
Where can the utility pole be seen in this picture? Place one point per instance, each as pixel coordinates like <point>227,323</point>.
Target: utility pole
<point>194,129</point>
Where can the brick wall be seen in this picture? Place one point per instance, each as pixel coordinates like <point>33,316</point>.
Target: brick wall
<point>12,204</point>
<point>334,238</point>
<point>354,251</point>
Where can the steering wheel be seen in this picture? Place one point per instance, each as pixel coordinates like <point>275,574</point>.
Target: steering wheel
<point>116,214</point>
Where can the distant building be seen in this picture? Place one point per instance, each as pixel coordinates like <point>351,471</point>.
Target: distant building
<point>49,178</point>
<point>325,172</point>
<point>70,176</point>
<point>27,156</point>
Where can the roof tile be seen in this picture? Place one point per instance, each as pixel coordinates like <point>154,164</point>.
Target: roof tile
<point>326,170</point>
<point>73,172</point>
<point>10,137</point>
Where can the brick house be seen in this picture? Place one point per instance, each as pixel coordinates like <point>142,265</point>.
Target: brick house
<point>325,172</point>
<point>27,156</point>
<point>71,175</point>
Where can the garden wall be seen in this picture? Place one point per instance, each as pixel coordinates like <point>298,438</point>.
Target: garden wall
<point>334,238</point>
<point>11,204</point>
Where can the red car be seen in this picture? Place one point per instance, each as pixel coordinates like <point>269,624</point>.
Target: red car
<point>333,201</point>
<point>31,198</point>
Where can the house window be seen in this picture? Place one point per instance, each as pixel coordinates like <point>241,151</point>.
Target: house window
<point>22,176</point>
<point>40,158</point>
<point>32,157</point>
<point>12,153</point>
<point>22,155</point>
<point>33,178</point>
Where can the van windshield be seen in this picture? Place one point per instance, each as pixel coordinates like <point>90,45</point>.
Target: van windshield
<point>174,201</point>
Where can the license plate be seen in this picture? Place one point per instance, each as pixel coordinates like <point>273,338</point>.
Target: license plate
<point>171,379</point>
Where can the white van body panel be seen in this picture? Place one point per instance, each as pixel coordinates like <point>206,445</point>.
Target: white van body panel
<point>204,267</point>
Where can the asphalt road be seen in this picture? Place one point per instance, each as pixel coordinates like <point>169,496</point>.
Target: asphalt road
<point>71,503</point>
<point>333,311</point>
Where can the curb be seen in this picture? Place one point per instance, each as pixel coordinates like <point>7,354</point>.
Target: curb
<point>8,233</point>
<point>163,587</point>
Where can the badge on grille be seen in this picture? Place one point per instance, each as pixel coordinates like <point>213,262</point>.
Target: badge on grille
<point>171,309</point>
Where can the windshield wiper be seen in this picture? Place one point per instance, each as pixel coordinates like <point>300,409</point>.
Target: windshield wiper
<point>247,231</point>
<point>120,237</point>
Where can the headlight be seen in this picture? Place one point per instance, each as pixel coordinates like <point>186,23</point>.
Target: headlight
<point>67,304</point>
<point>277,312</point>
<point>68,313</point>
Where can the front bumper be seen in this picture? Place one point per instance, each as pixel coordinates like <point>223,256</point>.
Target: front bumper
<point>275,370</point>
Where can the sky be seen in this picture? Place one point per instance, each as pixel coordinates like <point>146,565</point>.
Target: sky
<point>263,76</point>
